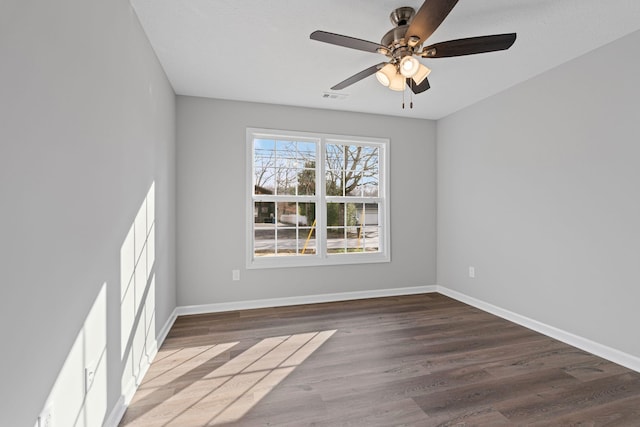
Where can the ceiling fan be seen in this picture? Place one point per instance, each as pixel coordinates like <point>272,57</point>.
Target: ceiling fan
<point>402,43</point>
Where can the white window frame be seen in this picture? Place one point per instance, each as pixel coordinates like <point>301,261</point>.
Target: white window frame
<point>321,257</point>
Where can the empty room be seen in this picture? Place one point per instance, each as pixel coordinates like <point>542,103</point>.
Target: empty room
<point>251,213</point>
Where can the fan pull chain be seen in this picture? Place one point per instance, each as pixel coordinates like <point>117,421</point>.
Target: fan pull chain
<point>411,96</point>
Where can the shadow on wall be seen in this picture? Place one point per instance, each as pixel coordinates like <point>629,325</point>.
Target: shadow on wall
<point>137,296</point>
<point>79,396</point>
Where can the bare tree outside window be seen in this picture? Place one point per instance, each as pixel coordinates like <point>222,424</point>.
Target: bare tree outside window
<point>352,170</point>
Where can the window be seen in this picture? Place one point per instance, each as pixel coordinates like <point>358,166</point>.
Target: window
<point>316,199</point>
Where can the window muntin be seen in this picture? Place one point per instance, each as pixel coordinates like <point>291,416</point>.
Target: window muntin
<point>316,199</point>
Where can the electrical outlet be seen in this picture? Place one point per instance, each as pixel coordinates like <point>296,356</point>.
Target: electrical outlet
<point>235,274</point>
<point>46,418</point>
<point>89,376</point>
<point>472,272</point>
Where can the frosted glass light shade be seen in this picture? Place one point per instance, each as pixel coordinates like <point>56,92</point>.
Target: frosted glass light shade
<point>398,82</point>
<point>421,74</point>
<point>385,74</point>
<point>409,66</point>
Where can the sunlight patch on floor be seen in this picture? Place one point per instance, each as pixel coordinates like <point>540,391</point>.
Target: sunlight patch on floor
<point>226,393</point>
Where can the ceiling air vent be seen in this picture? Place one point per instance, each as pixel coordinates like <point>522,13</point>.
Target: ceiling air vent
<point>331,95</point>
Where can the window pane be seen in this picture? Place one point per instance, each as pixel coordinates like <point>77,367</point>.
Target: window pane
<point>354,243</point>
<point>367,214</point>
<point>264,181</point>
<point>287,214</point>
<point>368,186</point>
<point>335,183</point>
<point>335,214</point>
<point>307,180</point>
<point>287,240</point>
<point>352,184</point>
<point>263,158</point>
<point>285,233</point>
<point>263,148</point>
<point>335,157</point>
<point>286,179</point>
<point>336,242</point>
<point>264,162</point>
<point>307,241</point>
<point>371,239</point>
<point>286,150</point>
<point>307,214</point>
<point>264,240</point>
<point>307,151</point>
<point>368,158</point>
<point>264,212</point>
<point>351,214</point>
<point>353,156</point>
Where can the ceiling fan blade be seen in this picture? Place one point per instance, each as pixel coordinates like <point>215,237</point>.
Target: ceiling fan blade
<point>359,76</point>
<point>346,41</point>
<point>428,18</point>
<point>418,88</point>
<point>469,46</point>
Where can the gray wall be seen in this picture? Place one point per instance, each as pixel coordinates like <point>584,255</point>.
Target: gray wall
<point>538,189</point>
<point>87,125</point>
<point>211,203</point>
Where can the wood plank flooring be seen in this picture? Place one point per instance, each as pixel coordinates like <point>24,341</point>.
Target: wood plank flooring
<point>421,360</point>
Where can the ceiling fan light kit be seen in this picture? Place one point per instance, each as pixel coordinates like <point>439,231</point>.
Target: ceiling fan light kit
<point>409,66</point>
<point>385,74</point>
<point>421,74</point>
<point>405,40</point>
<point>398,83</point>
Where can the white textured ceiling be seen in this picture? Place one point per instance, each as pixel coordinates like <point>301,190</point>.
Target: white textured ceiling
<point>258,50</point>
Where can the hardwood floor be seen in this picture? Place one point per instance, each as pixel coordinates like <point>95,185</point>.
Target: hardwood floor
<point>422,360</point>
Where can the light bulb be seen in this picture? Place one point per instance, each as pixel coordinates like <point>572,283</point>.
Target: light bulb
<point>409,66</point>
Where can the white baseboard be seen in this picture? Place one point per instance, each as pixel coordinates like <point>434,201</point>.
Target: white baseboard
<point>129,390</point>
<point>611,354</point>
<point>116,413</point>
<point>307,299</point>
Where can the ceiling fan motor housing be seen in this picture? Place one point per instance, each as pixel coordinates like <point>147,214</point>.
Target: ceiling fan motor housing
<point>402,16</point>
<point>394,39</point>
